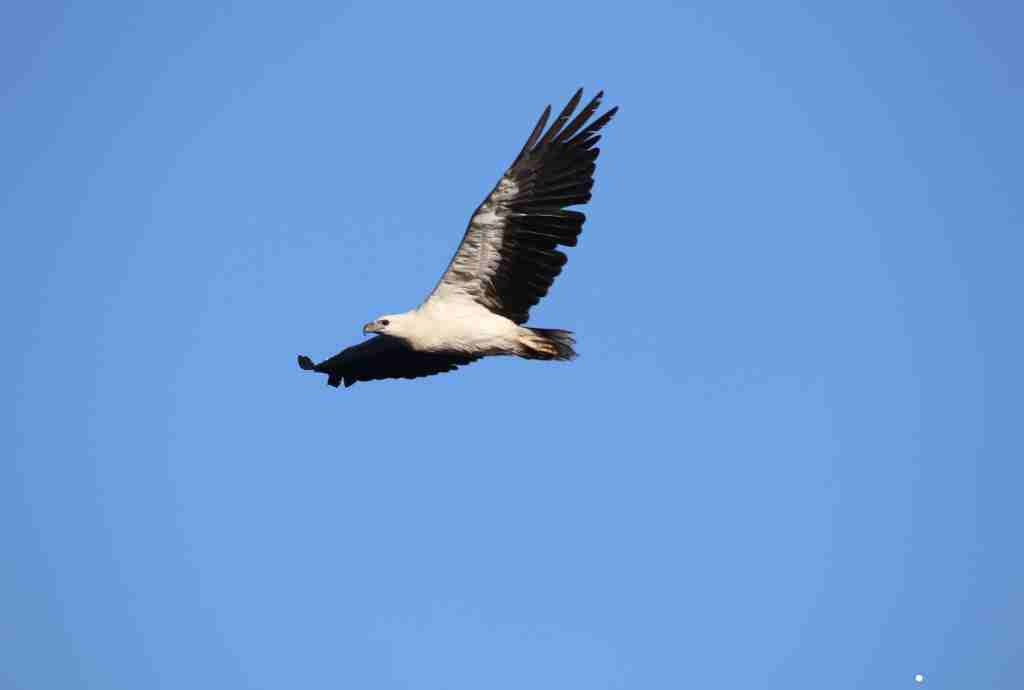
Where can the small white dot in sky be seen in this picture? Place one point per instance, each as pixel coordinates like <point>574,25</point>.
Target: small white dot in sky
<point>919,678</point>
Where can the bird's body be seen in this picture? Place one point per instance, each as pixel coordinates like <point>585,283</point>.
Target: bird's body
<point>457,326</point>
<point>506,262</point>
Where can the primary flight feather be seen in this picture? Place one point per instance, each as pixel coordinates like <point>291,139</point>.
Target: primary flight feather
<point>506,262</point>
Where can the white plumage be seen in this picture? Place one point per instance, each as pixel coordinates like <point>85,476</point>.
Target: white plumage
<point>506,263</point>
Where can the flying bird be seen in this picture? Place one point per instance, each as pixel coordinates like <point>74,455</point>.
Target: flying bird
<point>506,262</point>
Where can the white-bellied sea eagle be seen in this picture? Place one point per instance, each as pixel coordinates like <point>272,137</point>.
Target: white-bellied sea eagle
<point>505,264</point>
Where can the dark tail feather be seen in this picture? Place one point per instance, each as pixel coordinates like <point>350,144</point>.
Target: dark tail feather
<point>559,343</point>
<point>306,363</point>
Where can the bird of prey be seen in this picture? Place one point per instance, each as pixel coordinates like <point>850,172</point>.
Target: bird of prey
<point>506,262</point>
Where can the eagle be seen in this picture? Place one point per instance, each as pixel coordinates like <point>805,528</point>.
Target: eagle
<point>506,262</point>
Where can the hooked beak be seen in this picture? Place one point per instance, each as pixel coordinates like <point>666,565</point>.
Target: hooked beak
<point>370,328</point>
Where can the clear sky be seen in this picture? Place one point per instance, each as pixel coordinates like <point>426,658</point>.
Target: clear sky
<point>788,456</point>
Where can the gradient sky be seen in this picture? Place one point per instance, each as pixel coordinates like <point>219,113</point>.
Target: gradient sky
<point>788,456</point>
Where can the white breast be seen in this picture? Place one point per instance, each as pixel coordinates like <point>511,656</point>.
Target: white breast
<point>462,325</point>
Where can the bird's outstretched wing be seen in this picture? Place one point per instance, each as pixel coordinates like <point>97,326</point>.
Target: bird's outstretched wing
<point>507,259</point>
<point>382,357</point>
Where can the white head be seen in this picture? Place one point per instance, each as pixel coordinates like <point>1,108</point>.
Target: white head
<point>388,324</point>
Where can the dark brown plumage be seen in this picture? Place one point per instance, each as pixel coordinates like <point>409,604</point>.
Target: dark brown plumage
<point>551,173</point>
<point>382,357</point>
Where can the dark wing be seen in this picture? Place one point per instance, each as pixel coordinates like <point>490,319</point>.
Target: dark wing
<point>383,357</point>
<point>507,259</point>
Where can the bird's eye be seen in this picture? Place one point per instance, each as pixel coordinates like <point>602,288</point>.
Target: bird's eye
<point>384,322</point>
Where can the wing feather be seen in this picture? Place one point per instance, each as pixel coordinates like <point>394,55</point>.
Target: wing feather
<point>578,121</point>
<point>562,118</point>
<point>508,258</point>
<point>538,128</point>
<point>382,357</point>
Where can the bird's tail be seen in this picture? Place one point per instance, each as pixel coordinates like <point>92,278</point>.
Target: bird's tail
<point>547,343</point>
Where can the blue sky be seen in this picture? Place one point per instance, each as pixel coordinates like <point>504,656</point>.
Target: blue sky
<point>788,456</point>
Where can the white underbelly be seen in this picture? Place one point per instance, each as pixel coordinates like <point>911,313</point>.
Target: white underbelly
<point>467,328</point>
